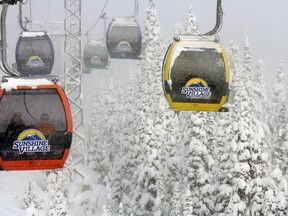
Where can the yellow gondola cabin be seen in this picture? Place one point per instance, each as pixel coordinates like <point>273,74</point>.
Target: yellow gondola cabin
<point>196,74</point>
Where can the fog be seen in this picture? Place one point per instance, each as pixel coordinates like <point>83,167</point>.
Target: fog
<point>259,20</point>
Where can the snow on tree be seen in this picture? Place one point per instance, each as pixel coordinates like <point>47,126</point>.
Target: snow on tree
<point>148,195</point>
<point>51,181</point>
<point>191,24</point>
<point>188,205</point>
<point>32,201</point>
<point>178,29</point>
<point>58,200</point>
<point>269,203</point>
<point>278,99</point>
<point>280,191</point>
<point>172,159</point>
<point>31,196</point>
<point>127,159</point>
<point>176,208</point>
<point>243,169</point>
<point>260,107</point>
<point>197,162</point>
<point>108,110</point>
<point>278,121</point>
<point>198,165</point>
<point>121,210</point>
<point>33,211</point>
<point>98,158</point>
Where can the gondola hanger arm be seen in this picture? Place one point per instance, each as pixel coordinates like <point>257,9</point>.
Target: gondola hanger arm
<point>219,19</point>
<point>136,9</point>
<point>7,69</point>
<point>20,18</point>
<point>10,2</point>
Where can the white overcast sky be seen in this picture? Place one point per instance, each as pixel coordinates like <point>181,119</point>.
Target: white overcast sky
<point>264,22</point>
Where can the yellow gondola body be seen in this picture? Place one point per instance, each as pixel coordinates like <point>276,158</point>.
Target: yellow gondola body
<point>196,74</point>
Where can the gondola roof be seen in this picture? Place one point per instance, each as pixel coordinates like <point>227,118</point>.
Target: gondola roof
<point>124,21</point>
<point>33,33</point>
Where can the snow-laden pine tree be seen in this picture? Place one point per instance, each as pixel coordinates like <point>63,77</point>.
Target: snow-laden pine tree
<point>30,196</point>
<point>259,94</point>
<point>32,201</point>
<point>242,166</point>
<point>173,161</point>
<point>191,25</point>
<point>174,146</point>
<point>106,125</point>
<point>148,195</point>
<point>58,200</point>
<point>178,29</point>
<point>280,199</point>
<point>129,156</point>
<point>98,157</point>
<point>188,203</point>
<point>198,161</point>
<point>278,122</point>
<point>223,136</point>
<point>176,207</point>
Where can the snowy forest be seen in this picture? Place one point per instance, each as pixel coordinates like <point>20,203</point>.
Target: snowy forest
<point>150,160</point>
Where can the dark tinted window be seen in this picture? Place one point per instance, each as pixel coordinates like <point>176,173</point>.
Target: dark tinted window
<point>31,104</point>
<point>204,63</point>
<point>38,46</point>
<point>129,33</point>
<point>96,50</point>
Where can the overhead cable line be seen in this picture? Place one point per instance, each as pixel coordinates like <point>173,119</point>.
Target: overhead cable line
<point>101,15</point>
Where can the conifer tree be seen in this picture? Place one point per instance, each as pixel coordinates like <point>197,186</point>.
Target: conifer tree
<point>122,172</point>
<point>188,205</point>
<point>278,121</point>
<point>30,196</point>
<point>58,201</point>
<point>176,201</point>
<point>246,163</point>
<point>32,201</point>
<point>148,195</point>
<point>191,25</point>
<point>107,117</point>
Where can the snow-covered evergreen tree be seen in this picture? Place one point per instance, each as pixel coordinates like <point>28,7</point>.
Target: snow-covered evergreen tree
<point>107,119</point>
<point>198,164</point>
<point>244,169</point>
<point>31,196</point>
<point>188,205</point>
<point>58,200</point>
<point>176,208</point>
<point>191,24</point>
<point>32,201</point>
<point>148,196</point>
<point>278,121</point>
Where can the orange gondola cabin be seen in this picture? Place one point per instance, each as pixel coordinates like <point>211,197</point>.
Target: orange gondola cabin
<point>35,124</point>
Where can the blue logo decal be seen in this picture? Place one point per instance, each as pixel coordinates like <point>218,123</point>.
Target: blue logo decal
<point>31,140</point>
<point>196,88</point>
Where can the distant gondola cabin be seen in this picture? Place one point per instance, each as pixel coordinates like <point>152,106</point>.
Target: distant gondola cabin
<point>35,125</point>
<point>196,74</point>
<point>96,55</point>
<point>34,54</point>
<point>124,38</point>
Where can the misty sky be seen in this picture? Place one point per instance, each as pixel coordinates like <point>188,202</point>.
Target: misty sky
<point>262,21</point>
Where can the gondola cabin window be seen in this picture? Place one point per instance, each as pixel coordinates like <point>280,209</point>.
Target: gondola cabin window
<point>128,33</point>
<point>34,54</point>
<point>199,68</point>
<point>27,108</point>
